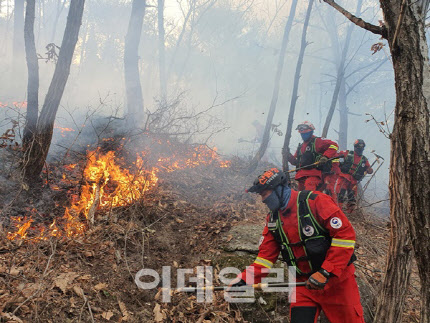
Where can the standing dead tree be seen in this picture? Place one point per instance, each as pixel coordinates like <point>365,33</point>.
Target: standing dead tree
<point>194,8</point>
<point>198,10</point>
<point>404,29</point>
<point>340,74</point>
<point>365,70</point>
<point>186,16</point>
<point>33,75</point>
<point>294,95</point>
<point>266,135</point>
<point>345,90</point>
<point>37,151</point>
<point>60,7</point>
<point>18,32</point>
<point>133,87</point>
<point>162,51</point>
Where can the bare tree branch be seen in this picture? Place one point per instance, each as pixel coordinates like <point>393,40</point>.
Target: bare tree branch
<point>358,21</point>
<point>361,68</point>
<point>366,75</point>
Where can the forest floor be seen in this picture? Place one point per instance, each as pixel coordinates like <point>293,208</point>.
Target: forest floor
<point>191,218</point>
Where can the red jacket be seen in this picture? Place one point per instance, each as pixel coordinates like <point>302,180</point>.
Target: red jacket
<point>328,215</point>
<point>335,167</point>
<point>357,158</point>
<point>323,146</point>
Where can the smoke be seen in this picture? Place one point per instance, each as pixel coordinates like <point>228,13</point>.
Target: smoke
<point>223,59</point>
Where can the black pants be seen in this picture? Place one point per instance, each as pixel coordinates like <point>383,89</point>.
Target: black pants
<point>304,314</point>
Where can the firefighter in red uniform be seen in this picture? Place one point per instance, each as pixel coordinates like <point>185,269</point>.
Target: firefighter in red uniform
<point>314,236</point>
<point>353,168</point>
<point>313,149</point>
<point>330,179</point>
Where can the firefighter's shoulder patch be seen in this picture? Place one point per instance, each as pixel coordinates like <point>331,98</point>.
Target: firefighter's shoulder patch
<point>335,223</point>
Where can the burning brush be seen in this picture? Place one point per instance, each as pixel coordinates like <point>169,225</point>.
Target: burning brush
<point>108,184</point>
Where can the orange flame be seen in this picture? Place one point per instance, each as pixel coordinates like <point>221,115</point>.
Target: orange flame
<point>108,185</point>
<point>200,155</point>
<point>22,228</point>
<point>63,130</point>
<point>16,104</point>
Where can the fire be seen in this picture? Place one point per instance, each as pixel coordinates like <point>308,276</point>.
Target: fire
<point>200,155</point>
<point>22,224</point>
<point>20,105</point>
<point>16,104</point>
<point>107,185</point>
<point>63,130</point>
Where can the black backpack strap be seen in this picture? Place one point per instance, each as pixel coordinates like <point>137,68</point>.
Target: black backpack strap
<point>306,218</point>
<point>304,211</point>
<point>275,228</point>
<point>302,205</point>
<point>353,258</point>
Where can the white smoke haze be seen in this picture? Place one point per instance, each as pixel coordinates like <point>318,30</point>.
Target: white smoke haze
<point>226,59</point>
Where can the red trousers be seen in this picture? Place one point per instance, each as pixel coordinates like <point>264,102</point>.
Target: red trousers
<point>346,192</point>
<point>330,181</point>
<point>340,303</point>
<point>309,183</point>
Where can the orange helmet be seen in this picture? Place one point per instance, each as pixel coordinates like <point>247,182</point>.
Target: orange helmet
<point>305,126</point>
<point>270,179</point>
<point>359,143</point>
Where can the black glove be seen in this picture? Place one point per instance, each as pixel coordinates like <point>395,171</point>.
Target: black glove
<point>318,280</point>
<point>239,283</point>
<point>323,160</point>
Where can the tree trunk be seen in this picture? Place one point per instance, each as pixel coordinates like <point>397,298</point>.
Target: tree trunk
<point>191,9</point>
<point>33,75</point>
<point>343,108</point>
<point>340,74</point>
<point>60,7</point>
<point>161,52</point>
<point>294,97</point>
<point>266,135</point>
<point>18,31</point>
<point>133,88</point>
<point>189,47</point>
<point>18,72</point>
<point>83,46</point>
<point>196,16</point>
<point>40,15</point>
<point>410,161</point>
<point>343,117</point>
<point>35,155</point>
